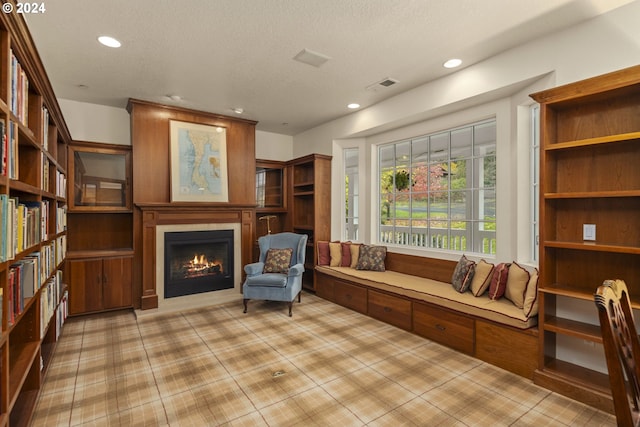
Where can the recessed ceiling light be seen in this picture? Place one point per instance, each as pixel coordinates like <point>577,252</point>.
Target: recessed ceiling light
<point>109,41</point>
<point>237,110</point>
<point>353,106</point>
<point>174,97</point>
<point>452,63</point>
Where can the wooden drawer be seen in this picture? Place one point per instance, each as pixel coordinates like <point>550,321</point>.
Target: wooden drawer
<point>324,286</point>
<point>443,326</point>
<point>351,296</point>
<point>508,348</point>
<point>390,309</point>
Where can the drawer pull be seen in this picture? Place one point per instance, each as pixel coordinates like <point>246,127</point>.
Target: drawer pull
<point>440,327</point>
<point>387,310</point>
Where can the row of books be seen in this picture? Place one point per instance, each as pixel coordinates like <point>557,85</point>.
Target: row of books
<point>28,275</point>
<point>52,293</point>
<point>24,281</point>
<point>8,149</point>
<point>19,99</point>
<point>26,223</point>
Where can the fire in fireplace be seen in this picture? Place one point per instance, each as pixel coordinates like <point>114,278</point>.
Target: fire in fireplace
<point>197,261</point>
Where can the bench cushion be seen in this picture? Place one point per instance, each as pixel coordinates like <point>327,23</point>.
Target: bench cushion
<point>502,311</point>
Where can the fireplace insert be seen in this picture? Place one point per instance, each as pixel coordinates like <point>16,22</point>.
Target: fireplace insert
<point>197,261</point>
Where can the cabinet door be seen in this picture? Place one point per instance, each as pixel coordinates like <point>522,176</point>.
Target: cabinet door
<point>117,282</point>
<point>85,286</point>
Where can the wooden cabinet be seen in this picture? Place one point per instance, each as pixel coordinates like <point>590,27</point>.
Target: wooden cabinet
<point>310,205</point>
<point>100,227</point>
<point>99,284</point>
<point>590,152</point>
<point>33,205</point>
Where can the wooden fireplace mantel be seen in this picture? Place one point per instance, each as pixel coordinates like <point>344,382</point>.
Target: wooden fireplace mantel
<point>155,214</point>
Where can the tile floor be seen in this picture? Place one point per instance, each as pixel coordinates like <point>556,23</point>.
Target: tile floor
<point>325,366</point>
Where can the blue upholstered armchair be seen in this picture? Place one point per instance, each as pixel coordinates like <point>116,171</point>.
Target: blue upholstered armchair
<point>276,277</point>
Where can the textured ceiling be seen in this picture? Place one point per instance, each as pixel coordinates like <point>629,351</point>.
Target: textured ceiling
<point>219,54</point>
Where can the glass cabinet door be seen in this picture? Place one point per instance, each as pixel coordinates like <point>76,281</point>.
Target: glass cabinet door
<point>100,179</point>
<point>269,187</point>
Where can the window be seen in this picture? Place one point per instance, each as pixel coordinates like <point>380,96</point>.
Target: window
<point>350,156</point>
<point>535,181</point>
<point>439,190</point>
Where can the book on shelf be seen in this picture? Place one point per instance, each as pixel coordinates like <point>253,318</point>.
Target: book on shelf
<point>4,148</point>
<point>45,128</point>
<point>61,184</point>
<point>19,102</point>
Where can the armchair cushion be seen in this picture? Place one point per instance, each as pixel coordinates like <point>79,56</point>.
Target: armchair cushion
<point>275,280</point>
<point>278,260</point>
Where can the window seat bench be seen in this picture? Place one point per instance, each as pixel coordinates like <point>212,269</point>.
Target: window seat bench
<point>415,294</point>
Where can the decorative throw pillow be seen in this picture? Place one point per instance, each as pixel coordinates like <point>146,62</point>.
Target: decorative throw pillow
<point>499,281</point>
<point>278,260</point>
<point>323,253</point>
<point>517,281</point>
<point>371,258</point>
<point>335,252</point>
<point>530,306</point>
<point>355,254</point>
<point>345,260</point>
<point>463,274</point>
<point>481,278</point>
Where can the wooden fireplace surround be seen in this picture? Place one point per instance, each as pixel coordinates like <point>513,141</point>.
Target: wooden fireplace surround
<point>155,214</point>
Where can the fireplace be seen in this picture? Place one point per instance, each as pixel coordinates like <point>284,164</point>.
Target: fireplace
<point>198,261</point>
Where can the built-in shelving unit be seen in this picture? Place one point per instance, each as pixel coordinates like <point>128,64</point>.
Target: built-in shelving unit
<point>33,237</point>
<point>589,175</point>
<point>310,205</point>
<point>100,259</point>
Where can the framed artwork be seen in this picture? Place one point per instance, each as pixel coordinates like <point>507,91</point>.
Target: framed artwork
<point>198,162</point>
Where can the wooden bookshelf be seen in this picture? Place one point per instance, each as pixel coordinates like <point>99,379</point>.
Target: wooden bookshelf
<point>32,190</point>
<point>590,151</point>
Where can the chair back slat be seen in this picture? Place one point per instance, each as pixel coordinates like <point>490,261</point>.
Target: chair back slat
<point>622,349</point>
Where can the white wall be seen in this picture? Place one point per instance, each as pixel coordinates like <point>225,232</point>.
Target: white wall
<point>273,146</point>
<point>96,123</point>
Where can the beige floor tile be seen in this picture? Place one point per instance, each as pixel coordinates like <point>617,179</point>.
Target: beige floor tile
<point>570,412</point>
<point>416,412</point>
<point>150,414</point>
<point>188,373</point>
<point>224,399</point>
<point>413,373</point>
<point>53,409</point>
<point>368,349</point>
<point>248,357</point>
<point>313,407</point>
<point>474,404</point>
<point>264,389</point>
<point>253,419</point>
<point>135,389</point>
<point>60,377</point>
<point>184,409</point>
<point>180,348</point>
<point>326,364</point>
<point>94,402</point>
<point>368,394</point>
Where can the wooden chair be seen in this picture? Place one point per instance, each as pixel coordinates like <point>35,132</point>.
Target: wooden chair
<point>622,349</point>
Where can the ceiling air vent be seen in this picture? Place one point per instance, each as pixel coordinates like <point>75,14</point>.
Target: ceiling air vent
<point>386,82</point>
